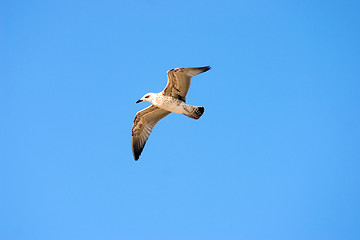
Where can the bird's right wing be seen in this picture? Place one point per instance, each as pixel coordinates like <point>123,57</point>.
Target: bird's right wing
<point>145,121</point>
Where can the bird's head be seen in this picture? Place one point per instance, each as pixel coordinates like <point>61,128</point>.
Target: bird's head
<point>147,97</point>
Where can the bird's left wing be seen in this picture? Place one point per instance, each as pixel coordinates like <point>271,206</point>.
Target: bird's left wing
<point>145,121</point>
<point>179,80</point>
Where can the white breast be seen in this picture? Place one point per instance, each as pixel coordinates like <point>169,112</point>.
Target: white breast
<point>170,104</point>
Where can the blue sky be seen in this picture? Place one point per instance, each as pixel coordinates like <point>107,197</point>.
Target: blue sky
<point>275,156</point>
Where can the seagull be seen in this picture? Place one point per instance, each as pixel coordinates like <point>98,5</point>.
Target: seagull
<point>171,99</point>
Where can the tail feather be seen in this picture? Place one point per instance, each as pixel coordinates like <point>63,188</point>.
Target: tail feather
<point>195,112</point>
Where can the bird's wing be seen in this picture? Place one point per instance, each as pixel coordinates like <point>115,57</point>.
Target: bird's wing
<point>179,80</point>
<point>145,121</point>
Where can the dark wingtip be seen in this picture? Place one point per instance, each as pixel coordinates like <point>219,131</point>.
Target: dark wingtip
<point>136,154</point>
<point>207,68</point>
<point>203,69</point>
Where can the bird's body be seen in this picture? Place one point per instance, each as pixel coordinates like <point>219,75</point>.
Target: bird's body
<point>171,99</point>
<point>168,103</point>
<point>171,104</point>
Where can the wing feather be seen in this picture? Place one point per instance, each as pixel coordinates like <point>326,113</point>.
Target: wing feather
<point>179,80</point>
<point>145,120</point>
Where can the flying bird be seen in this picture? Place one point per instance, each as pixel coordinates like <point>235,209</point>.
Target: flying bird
<point>171,99</point>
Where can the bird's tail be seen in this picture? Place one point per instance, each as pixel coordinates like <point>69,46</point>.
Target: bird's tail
<point>195,112</point>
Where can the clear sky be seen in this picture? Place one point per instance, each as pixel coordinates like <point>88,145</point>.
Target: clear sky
<point>276,154</point>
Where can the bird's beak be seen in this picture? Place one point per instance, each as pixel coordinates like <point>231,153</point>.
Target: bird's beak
<point>139,101</point>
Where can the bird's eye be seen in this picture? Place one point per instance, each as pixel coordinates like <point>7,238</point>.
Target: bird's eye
<point>147,96</point>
